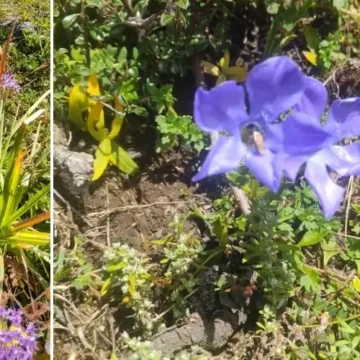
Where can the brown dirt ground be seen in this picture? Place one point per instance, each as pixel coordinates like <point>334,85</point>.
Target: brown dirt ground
<point>128,212</point>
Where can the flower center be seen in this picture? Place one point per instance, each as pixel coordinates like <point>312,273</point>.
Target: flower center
<point>253,136</point>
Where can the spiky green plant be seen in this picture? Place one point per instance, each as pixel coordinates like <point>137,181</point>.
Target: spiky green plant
<point>18,177</point>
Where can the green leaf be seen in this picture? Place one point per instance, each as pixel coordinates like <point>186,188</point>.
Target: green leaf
<point>135,53</point>
<point>341,343</point>
<point>159,242</point>
<point>273,8</point>
<point>166,19</point>
<point>328,254</point>
<point>311,280</point>
<point>80,40</point>
<point>121,159</point>
<point>341,4</point>
<point>67,21</point>
<point>81,282</point>
<point>106,286</point>
<point>95,3</point>
<point>312,38</point>
<point>221,232</point>
<point>289,26</point>
<point>330,249</point>
<point>284,41</point>
<point>346,328</point>
<point>28,238</point>
<point>311,238</point>
<point>77,55</point>
<point>29,204</point>
<point>115,267</point>
<point>183,4</point>
<point>113,357</point>
<point>141,111</point>
<point>355,342</point>
<point>122,55</point>
<point>132,284</point>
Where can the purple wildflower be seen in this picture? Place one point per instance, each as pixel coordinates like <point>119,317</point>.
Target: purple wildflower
<point>8,82</point>
<point>343,122</point>
<point>273,87</point>
<point>15,341</point>
<point>3,312</point>
<point>15,316</point>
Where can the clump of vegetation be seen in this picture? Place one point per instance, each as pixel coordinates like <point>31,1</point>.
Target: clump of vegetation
<point>286,271</point>
<point>25,179</point>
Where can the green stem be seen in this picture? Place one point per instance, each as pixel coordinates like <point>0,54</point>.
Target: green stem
<point>211,256</point>
<point>353,317</point>
<point>85,24</point>
<point>172,306</point>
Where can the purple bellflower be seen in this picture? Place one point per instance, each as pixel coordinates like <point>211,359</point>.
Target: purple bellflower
<point>343,122</point>
<point>272,88</point>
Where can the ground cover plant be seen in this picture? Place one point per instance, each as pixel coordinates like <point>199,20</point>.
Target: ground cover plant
<point>25,180</point>
<point>207,168</point>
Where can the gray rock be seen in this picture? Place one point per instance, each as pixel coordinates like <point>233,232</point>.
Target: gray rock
<point>73,168</point>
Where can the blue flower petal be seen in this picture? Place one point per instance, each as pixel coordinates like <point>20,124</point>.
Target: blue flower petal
<point>327,191</point>
<point>274,86</point>
<point>273,136</point>
<point>303,136</point>
<point>344,119</point>
<point>224,156</point>
<point>345,160</point>
<point>266,167</point>
<point>314,99</point>
<point>220,109</point>
<point>292,166</point>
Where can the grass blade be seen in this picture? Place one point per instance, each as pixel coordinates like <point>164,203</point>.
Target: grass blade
<point>28,205</point>
<point>27,238</point>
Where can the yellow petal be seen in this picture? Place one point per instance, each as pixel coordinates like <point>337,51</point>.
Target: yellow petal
<point>122,160</point>
<point>210,68</point>
<point>311,57</point>
<point>78,104</point>
<point>118,119</point>
<point>102,158</point>
<point>356,284</point>
<point>225,61</point>
<point>237,73</point>
<point>93,85</point>
<point>106,286</point>
<point>132,284</point>
<point>220,79</point>
<point>96,117</point>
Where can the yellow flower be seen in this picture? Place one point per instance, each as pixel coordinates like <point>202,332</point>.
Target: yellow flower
<point>224,71</point>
